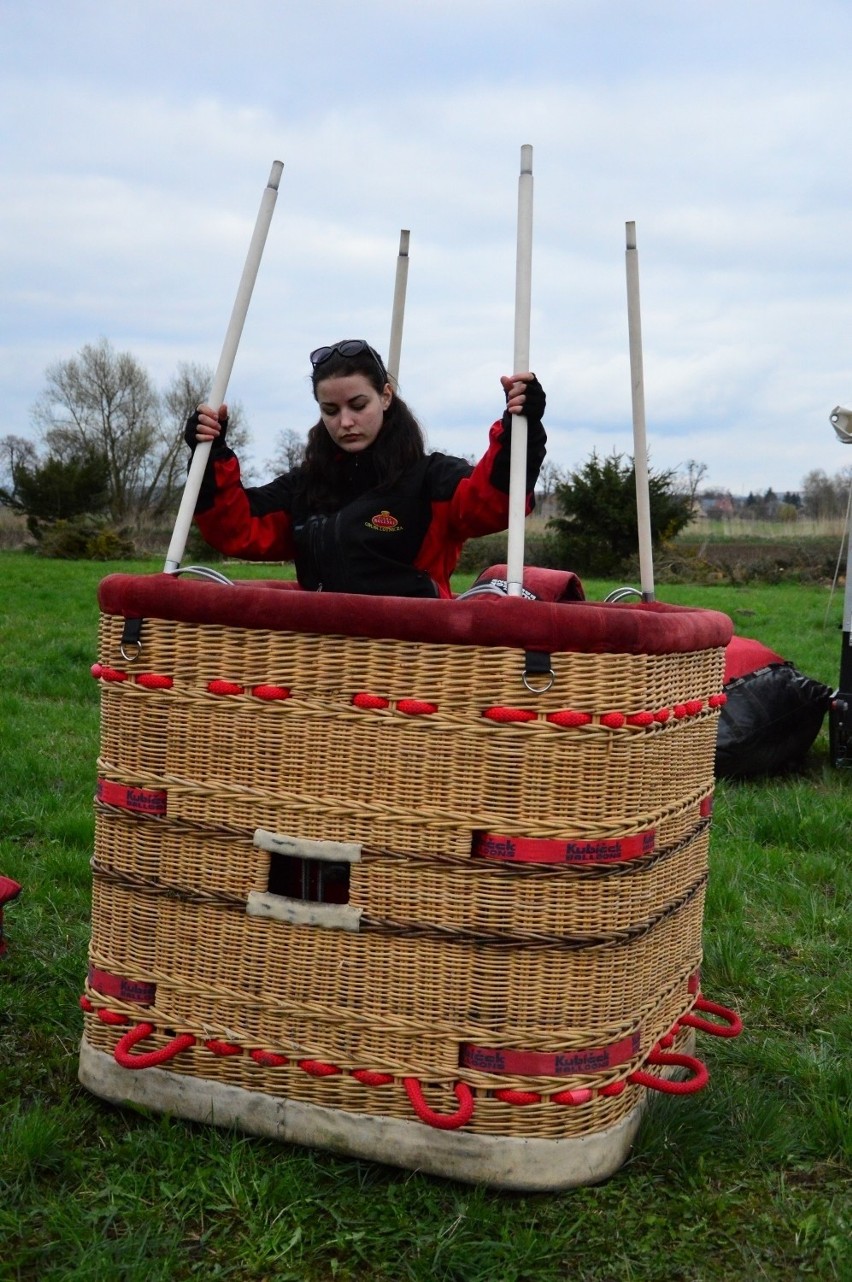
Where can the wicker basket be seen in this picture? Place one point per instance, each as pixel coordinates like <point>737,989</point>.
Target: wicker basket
<point>431,901</point>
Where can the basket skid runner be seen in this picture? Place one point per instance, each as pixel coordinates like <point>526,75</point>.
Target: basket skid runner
<point>433,1142</point>
<point>419,885</point>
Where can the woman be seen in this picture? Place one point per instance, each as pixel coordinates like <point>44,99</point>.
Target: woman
<point>368,510</point>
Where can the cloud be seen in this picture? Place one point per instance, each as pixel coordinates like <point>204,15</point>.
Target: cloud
<point>131,179</point>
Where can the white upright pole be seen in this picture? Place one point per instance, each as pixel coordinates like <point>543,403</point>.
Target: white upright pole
<point>640,448</point>
<point>216,396</point>
<point>518,455</point>
<point>398,316</point>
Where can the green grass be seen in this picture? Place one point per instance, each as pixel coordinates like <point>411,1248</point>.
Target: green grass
<point>748,1179</point>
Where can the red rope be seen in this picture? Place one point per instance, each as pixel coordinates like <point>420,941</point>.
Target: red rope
<point>508,715</point>
<point>568,717</point>
<point>580,1096</point>
<point>365,700</point>
<point>367,1077</point>
<point>270,693</point>
<point>416,707</point>
<point>731,1027</point>
<point>225,687</point>
<point>316,1068</point>
<point>268,1059</point>
<point>673,1059</point>
<point>111,1016</point>
<point>223,1048</point>
<point>124,1058</point>
<point>154,681</point>
<point>517,1097</point>
<point>442,1121</point>
<point>614,1088</point>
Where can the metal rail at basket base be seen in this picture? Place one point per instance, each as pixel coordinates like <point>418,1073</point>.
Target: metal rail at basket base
<point>518,1164</point>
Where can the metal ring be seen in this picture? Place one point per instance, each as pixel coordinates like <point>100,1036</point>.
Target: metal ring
<point>551,677</point>
<point>130,658</point>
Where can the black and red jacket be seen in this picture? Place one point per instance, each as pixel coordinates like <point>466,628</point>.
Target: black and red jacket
<point>397,540</point>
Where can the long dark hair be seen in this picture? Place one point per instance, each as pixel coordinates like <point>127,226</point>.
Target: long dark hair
<point>399,445</point>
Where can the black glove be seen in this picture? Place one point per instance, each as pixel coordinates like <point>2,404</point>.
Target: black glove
<point>534,403</point>
<point>191,430</point>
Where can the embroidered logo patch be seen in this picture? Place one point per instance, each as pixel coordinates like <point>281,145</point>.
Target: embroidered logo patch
<point>383,521</point>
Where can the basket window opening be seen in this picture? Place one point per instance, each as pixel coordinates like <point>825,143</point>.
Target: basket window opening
<point>310,880</point>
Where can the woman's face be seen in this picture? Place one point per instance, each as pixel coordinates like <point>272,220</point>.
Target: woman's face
<point>352,410</point>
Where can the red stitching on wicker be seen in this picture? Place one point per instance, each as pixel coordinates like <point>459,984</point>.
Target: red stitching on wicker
<point>717,700</point>
<point>640,719</point>
<point>442,1121</point>
<point>416,707</point>
<point>224,687</point>
<point>365,700</point>
<point>693,707</point>
<point>270,693</point>
<point>85,1004</point>
<point>154,681</point>
<point>150,1059</point>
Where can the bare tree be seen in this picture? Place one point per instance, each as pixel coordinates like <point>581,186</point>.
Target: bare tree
<point>189,387</point>
<point>824,496</point>
<point>103,402</point>
<point>289,452</point>
<point>15,452</point>
<point>694,474</point>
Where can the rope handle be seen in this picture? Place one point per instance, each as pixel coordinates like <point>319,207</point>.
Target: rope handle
<point>442,1121</point>
<point>148,1059</point>
<point>731,1026</point>
<point>673,1059</point>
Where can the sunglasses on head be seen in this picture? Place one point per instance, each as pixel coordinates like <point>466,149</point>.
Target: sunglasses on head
<point>349,347</point>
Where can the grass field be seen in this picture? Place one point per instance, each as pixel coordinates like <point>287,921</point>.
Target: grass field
<point>749,1179</point>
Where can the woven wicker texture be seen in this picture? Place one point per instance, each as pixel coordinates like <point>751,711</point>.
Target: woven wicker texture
<point>413,752</point>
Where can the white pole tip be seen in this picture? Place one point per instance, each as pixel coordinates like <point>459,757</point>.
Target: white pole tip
<point>631,235</point>
<point>526,159</point>
<point>275,174</point>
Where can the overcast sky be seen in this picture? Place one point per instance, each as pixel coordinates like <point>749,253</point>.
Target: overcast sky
<point>138,135</point>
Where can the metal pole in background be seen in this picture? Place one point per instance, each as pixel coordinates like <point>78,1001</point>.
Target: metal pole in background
<point>398,315</point>
<point>523,302</point>
<point>183,522</point>
<point>640,448</point>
